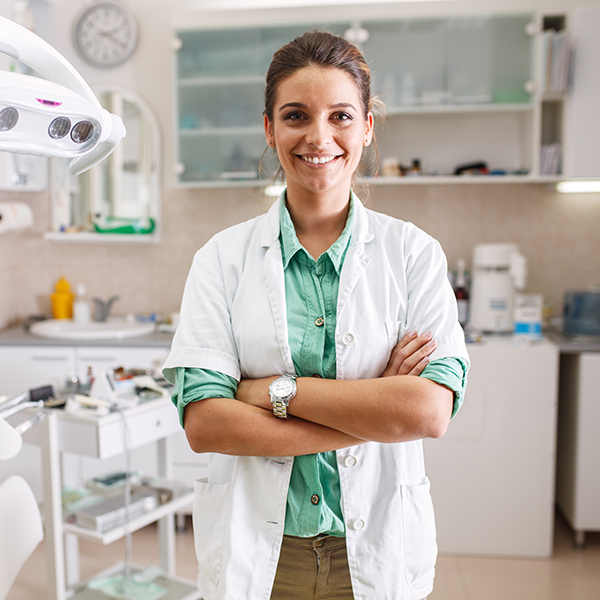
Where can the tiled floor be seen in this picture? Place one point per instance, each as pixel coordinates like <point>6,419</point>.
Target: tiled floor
<point>569,575</point>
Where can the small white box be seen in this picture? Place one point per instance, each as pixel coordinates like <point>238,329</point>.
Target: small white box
<point>528,315</point>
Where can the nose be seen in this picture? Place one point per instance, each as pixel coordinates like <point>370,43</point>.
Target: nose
<point>318,133</point>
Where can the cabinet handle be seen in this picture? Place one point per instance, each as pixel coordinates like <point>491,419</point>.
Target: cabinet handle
<point>50,358</point>
<point>99,359</point>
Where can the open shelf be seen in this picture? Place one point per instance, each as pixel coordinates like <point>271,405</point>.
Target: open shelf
<point>108,537</point>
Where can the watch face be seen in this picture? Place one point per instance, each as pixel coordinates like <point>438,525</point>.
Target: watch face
<point>282,387</point>
<point>106,34</point>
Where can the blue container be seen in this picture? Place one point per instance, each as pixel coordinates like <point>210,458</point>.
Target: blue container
<point>582,313</point>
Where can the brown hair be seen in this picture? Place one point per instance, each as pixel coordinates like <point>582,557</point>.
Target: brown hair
<point>322,49</point>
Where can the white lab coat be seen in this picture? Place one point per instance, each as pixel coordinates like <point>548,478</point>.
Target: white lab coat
<point>233,319</point>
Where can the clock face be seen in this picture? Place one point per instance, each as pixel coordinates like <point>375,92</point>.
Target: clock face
<point>106,34</point>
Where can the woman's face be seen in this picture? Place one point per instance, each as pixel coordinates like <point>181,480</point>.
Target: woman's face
<point>318,129</point>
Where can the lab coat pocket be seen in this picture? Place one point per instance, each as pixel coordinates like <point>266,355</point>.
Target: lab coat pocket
<point>396,330</point>
<point>420,548</point>
<point>209,518</point>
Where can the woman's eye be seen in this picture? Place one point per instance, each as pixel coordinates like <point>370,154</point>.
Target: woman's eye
<point>293,116</point>
<point>342,117</point>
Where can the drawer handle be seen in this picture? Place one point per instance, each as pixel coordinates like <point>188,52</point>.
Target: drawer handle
<point>50,358</point>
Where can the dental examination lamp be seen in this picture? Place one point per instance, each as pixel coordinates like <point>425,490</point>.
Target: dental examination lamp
<point>58,116</point>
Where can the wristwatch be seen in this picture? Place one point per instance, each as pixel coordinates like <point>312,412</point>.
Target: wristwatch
<point>282,390</point>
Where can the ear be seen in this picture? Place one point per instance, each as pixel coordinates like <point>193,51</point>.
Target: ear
<point>269,135</point>
<point>369,125</point>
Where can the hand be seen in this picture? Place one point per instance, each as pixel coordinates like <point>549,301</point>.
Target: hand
<point>255,392</point>
<point>410,355</point>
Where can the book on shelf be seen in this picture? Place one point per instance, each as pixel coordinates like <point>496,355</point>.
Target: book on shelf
<point>550,163</point>
<point>557,60</point>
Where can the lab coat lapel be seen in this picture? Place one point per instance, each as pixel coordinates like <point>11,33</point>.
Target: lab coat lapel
<point>356,260</point>
<point>273,277</point>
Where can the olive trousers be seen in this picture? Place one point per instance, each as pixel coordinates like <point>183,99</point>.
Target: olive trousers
<point>313,568</point>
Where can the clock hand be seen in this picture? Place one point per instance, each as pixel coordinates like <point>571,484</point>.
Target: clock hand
<point>112,37</point>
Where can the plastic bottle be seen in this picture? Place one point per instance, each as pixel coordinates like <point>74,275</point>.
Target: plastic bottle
<point>81,308</point>
<point>461,291</point>
<point>62,300</point>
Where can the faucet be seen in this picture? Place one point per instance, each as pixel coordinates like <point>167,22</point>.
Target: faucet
<point>102,308</point>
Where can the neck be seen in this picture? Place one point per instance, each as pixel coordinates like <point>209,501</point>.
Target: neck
<point>319,219</point>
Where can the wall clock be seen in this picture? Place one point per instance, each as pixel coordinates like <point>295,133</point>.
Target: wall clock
<point>106,34</point>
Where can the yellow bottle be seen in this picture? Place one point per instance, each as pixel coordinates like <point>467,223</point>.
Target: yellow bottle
<point>62,300</point>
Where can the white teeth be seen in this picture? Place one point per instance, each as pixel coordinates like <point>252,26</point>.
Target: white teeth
<point>315,160</point>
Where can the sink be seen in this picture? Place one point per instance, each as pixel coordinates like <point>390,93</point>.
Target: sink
<point>113,329</point>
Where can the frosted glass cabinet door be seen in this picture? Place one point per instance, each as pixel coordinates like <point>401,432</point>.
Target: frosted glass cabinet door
<point>463,60</point>
<point>500,67</point>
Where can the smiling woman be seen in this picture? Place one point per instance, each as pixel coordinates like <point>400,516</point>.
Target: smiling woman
<point>318,345</point>
<point>319,130</point>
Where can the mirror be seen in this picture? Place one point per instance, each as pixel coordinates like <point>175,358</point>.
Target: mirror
<point>119,199</point>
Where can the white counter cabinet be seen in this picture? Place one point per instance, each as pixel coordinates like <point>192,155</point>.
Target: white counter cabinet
<point>578,462</point>
<point>493,472</point>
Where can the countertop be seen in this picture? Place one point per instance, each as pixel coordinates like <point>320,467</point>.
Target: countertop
<point>573,345</point>
<point>18,336</point>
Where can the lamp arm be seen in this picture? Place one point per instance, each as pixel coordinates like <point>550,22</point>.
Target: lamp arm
<point>24,45</point>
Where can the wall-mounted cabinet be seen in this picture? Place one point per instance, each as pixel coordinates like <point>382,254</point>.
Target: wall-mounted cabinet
<point>458,90</point>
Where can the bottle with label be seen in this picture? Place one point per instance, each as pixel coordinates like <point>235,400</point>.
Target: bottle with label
<point>62,300</point>
<point>461,291</point>
<point>81,308</point>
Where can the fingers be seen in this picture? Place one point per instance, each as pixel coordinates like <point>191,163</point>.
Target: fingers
<point>410,355</point>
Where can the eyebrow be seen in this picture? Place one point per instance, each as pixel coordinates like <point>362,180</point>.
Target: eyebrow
<point>301,105</point>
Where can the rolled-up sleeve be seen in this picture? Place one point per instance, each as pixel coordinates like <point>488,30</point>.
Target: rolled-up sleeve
<point>450,372</point>
<point>192,385</point>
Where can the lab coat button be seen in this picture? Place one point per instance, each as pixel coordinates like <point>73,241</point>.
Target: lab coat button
<point>315,499</point>
<point>320,322</point>
<point>350,461</point>
<point>359,524</point>
<point>348,339</point>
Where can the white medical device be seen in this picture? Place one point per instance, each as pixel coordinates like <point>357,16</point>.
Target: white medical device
<point>58,116</point>
<point>498,271</point>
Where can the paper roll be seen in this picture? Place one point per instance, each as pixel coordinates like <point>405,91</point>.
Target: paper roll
<point>15,216</point>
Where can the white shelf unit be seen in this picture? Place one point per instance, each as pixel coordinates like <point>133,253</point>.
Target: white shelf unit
<point>459,90</point>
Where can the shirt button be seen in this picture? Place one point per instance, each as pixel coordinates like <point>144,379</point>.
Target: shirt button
<point>348,339</point>
<point>350,461</point>
<point>320,322</point>
<point>315,499</point>
<point>359,524</point>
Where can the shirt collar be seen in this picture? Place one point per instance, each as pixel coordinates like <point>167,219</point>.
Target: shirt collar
<point>290,244</point>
